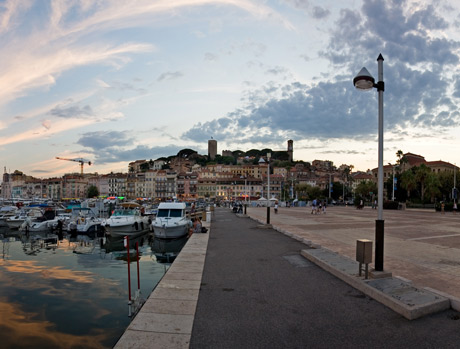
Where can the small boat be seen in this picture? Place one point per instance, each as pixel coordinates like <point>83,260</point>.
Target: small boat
<point>5,213</point>
<point>15,222</point>
<point>171,221</point>
<point>83,221</point>
<point>44,223</point>
<point>127,220</point>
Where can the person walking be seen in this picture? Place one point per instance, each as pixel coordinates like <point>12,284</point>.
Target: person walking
<point>454,208</point>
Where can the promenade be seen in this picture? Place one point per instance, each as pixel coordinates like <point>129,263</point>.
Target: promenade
<point>246,285</point>
<point>422,246</point>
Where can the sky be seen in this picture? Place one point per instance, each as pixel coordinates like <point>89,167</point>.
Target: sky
<point>114,81</point>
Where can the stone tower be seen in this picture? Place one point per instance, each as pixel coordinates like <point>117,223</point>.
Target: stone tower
<point>212,148</point>
<point>290,150</point>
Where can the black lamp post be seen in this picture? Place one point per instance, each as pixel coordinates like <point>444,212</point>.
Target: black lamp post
<point>365,81</point>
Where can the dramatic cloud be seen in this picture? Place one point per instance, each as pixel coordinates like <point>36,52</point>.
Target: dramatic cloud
<point>415,72</point>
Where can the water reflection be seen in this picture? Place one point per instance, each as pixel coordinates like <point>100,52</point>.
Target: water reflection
<point>72,294</point>
<point>166,250</point>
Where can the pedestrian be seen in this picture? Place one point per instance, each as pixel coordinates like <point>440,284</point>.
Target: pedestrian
<point>313,206</point>
<point>276,207</point>
<point>454,208</point>
<point>442,207</point>
<point>324,207</point>
<point>196,226</point>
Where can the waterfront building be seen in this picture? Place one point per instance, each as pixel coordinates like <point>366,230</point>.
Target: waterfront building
<point>117,184</point>
<point>165,185</point>
<point>53,188</point>
<point>74,186</point>
<point>187,186</point>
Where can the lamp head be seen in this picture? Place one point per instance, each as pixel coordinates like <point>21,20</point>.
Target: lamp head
<point>364,80</point>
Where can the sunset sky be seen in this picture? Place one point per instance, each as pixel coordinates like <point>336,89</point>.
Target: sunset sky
<point>118,81</point>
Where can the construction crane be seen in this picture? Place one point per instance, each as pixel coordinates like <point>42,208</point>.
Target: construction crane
<point>80,160</point>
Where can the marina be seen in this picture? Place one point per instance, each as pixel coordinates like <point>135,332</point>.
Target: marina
<point>73,292</point>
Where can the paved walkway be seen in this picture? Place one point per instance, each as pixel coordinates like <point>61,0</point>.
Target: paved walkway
<point>257,291</point>
<point>422,246</point>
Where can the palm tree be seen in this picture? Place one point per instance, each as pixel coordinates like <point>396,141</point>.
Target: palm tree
<point>401,159</point>
<point>408,181</point>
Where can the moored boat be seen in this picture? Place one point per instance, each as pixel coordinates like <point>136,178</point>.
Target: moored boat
<point>127,220</point>
<point>171,221</point>
<point>83,221</point>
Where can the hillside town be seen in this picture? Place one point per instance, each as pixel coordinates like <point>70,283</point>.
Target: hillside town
<point>189,176</point>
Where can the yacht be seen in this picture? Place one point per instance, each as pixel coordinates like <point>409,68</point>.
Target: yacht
<point>171,221</point>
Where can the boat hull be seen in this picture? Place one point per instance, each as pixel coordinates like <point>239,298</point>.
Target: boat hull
<point>170,232</point>
<point>118,228</point>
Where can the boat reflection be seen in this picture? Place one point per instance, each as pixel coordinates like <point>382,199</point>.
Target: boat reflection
<point>166,250</point>
<point>115,246</point>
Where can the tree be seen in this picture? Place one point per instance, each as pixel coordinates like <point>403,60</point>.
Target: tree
<point>422,174</point>
<point>185,153</point>
<point>408,181</point>
<point>144,166</point>
<point>432,186</point>
<point>365,188</point>
<point>92,191</point>
<point>446,181</point>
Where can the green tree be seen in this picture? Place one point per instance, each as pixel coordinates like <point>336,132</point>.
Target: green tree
<point>92,191</point>
<point>446,181</point>
<point>408,181</point>
<point>365,188</point>
<point>144,166</point>
<point>315,192</point>
<point>432,186</point>
<point>422,173</point>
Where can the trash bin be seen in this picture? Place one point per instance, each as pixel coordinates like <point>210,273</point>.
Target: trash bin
<point>208,216</point>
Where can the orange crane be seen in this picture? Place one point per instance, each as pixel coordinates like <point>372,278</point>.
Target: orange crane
<point>80,160</point>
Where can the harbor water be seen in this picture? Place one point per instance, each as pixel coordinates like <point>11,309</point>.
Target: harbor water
<point>73,294</point>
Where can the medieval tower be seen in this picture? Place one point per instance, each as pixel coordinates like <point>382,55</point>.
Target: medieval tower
<point>290,150</point>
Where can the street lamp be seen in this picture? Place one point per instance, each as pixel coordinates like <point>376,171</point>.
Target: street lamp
<point>365,81</point>
<point>269,155</point>
<point>393,196</point>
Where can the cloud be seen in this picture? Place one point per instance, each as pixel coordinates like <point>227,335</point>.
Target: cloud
<point>118,146</point>
<point>101,140</point>
<point>418,65</point>
<point>320,13</point>
<point>170,76</point>
<point>72,112</point>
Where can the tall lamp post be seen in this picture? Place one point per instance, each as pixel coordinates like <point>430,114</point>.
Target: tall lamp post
<point>393,185</point>
<point>365,81</point>
<point>269,155</point>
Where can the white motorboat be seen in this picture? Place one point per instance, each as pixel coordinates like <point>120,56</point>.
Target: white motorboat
<point>171,221</point>
<point>15,222</point>
<point>84,221</point>
<point>5,213</point>
<point>44,223</point>
<point>127,220</point>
